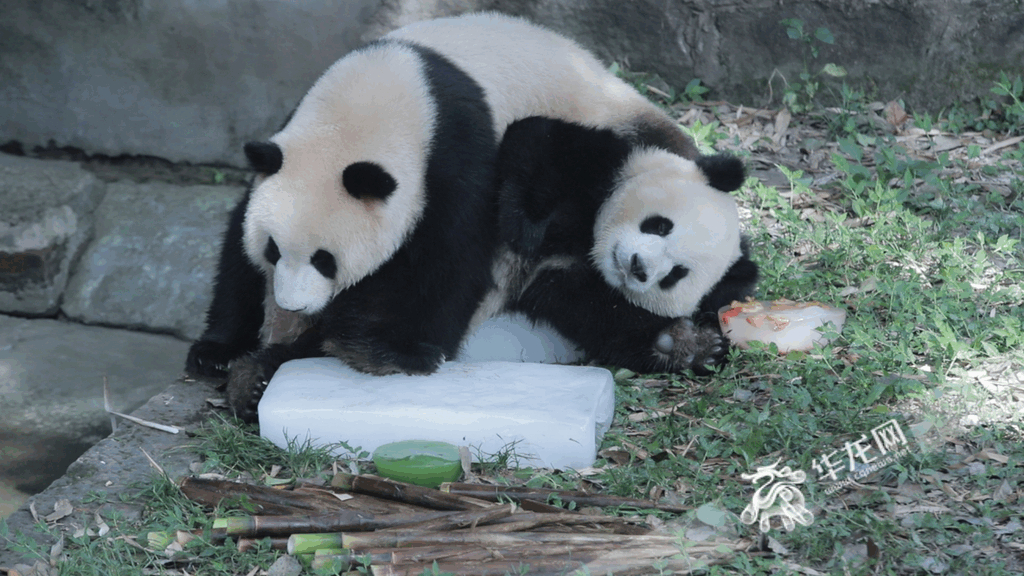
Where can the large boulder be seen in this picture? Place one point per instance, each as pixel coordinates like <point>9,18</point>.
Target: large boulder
<point>45,219</point>
<point>153,260</point>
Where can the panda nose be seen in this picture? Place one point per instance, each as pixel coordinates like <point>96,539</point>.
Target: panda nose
<point>636,268</point>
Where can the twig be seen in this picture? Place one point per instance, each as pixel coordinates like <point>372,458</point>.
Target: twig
<point>139,421</point>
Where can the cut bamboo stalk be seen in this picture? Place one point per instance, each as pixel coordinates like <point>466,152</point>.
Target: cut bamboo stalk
<point>408,493</point>
<point>267,500</point>
<point>496,568</point>
<point>276,543</point>
<point>528,520</point>
<point>529,551</point>
<point>340,521</point>
<point>518,493</point>
<point>406,538</point>
<point>463,519</point>
<point>330,561</point>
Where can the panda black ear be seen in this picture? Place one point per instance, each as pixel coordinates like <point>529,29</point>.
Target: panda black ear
<point>724,171</point>
<point>264,157</point>
<point>368,180</point>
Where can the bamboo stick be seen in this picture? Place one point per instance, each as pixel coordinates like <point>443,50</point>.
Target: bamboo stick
<point>328,561</point>
<point>495,568</point>
<point>561,559</point>
<point>493,493</point>
<point>529,551</point>
<point>463,519</point>
<point>266,500</point>
<point>276,543</point>
<point>529,520</point>
<point>340,521</point>
<point>408,493</point>
<point>406,538</point>
<point>253,526</point>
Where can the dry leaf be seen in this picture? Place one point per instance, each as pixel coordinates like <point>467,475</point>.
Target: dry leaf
<point>782,120</point>
<point>61,509</point>
<point>895,114</point>
<point>994,456</point>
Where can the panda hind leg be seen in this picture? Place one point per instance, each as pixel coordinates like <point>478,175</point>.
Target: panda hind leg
<point>684,344</point>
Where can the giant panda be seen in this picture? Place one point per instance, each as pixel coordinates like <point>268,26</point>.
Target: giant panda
<point>625,248</point>
<point>369,232</point>
<point>376,195</point>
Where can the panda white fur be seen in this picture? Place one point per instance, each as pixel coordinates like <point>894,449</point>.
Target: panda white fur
<point>355,234</point>
<point>625,248</point>
<point>528,70</point>
<point>382,263</point>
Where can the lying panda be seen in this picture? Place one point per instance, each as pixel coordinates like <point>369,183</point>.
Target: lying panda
<point>627,249</point>
<point>369,232</point>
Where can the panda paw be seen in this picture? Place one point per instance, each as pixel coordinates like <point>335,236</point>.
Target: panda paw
<point>417,359</point>
<point>245,388</point>
<point>209,358</point>
<point>687,345</point>
<point>422,359</point>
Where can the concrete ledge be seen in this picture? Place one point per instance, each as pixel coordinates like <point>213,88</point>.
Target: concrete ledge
<point>118,462</point>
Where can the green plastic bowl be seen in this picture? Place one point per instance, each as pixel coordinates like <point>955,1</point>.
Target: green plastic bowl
<point>420,462</point>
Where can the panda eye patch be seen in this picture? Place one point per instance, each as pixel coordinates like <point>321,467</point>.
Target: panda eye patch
<point>674,275</point>
<point>324,263</point>
<point>656,225</point>
<point>367,180</point>
<point>271,253</point>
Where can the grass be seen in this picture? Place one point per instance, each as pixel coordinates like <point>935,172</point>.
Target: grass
<point>923,249</point>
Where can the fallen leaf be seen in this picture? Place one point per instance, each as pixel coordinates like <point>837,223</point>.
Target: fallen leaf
<point>61,509</point>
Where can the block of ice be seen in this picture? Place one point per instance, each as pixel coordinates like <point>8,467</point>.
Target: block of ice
<point>555,415</point>
<point>514,338</point>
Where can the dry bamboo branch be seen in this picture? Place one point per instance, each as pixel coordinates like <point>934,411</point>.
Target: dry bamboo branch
<point>530,520</point>
<point>278,543</point>
<point>408,493</point>
<point>495,568</point>
<point>340,521</point>
<point>407,538</point>
<point>494,493</point>
<point>475,553</point>
<point>464,519</point>
<point>267,500</point>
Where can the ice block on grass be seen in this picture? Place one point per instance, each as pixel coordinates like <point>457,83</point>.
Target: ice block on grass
<point>551,415</point>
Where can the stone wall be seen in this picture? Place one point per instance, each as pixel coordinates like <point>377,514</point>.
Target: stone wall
<point>191,81</point>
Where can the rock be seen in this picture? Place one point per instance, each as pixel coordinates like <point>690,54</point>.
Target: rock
<point>153,259</point>
<point>51,382</point>
<point>192,81</point>
<point>45,218</point>
<point>117,466</point>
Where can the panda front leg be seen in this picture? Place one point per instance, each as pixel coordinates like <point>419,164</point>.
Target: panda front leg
<point>251,373</point>
<point>582,307</point>
<point>235,314</point>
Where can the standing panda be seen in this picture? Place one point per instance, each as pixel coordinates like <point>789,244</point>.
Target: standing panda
<point>627,249</point>
<point>368,232</point>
